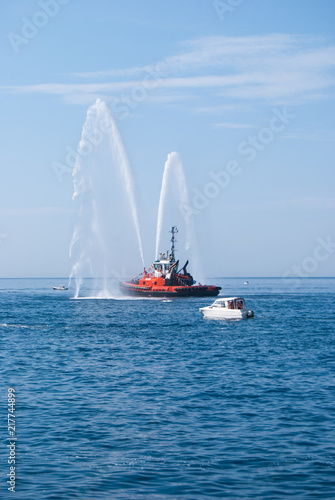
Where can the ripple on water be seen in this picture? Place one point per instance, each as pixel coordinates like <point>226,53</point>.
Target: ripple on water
<point>145,399</point>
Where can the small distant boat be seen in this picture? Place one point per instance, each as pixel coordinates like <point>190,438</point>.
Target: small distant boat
<point>60,287</point>
<point>227,308</point>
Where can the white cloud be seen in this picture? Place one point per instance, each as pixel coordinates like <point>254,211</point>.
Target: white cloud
<point>36,211</point>
<point>232,125</point>
<point>317,135</point>
<point>271,67</point>
<point>311,202</point>
<point>302,203</point>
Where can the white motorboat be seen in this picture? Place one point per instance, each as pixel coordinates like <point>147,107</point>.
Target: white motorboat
<point>60,287</point>
<point>227,308</point>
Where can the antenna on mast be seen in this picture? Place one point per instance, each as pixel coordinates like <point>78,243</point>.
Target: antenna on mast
<point>173,231</point>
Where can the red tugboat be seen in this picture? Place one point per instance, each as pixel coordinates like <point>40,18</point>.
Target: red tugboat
<point>164,279</point>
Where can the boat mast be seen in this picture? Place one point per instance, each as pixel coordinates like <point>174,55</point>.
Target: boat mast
<point>173,231</point>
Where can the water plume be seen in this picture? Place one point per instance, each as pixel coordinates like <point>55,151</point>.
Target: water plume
<point>173,195</point>
<point>106,242</point>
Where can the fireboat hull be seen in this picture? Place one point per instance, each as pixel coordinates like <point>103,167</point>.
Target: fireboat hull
<point>169,291</point>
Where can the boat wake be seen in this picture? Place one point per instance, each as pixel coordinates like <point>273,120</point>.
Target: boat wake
<point>117,297</point>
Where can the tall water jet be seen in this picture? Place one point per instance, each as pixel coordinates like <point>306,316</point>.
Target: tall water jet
<point>107,231</point>
<point>173,196</point>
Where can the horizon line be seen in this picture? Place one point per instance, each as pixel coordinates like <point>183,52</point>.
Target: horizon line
<point>207,277</point>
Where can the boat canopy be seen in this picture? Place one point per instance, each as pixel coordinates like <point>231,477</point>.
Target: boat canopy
<point>224,299</point>
<point>228,301</point>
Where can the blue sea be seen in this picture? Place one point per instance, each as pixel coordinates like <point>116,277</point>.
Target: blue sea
<point>145,399</point>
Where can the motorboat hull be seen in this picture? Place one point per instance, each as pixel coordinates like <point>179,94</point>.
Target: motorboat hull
<point>227,314</point>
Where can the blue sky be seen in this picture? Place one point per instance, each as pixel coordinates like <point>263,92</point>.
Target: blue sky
<point>242,90</point>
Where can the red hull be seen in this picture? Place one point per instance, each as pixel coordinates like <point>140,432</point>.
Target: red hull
<point>129,288</point>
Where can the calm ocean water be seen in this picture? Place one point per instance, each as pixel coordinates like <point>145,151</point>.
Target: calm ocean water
<point>145,399</point>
